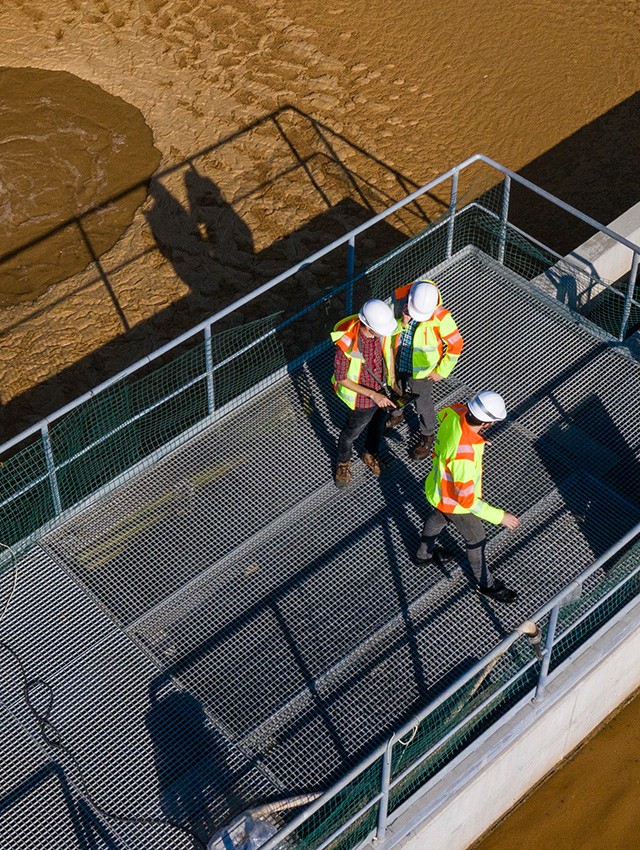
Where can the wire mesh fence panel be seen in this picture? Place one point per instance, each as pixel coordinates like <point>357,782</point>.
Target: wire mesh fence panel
<point>339,810</point>
<point>446,731</point>
<point>26,495</point>
<point>601,597</point>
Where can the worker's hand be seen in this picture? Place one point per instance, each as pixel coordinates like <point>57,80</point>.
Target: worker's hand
<point>510,521</point>
<point>381,400</point>
<point>434,377</point>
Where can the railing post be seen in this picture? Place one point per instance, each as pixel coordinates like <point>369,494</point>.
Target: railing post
<point>627,301</point>
<point>51,467</point>
<point>504,217</point>
<point>351,267</point>
<point>383,810</point>
<point>546,659</point>
<point>208,359</point>
<point>452,212</point>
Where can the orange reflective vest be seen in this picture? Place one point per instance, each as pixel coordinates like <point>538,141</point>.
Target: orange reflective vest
<point>437,343</point>
<point>345,336</point>
<point>454,485</point>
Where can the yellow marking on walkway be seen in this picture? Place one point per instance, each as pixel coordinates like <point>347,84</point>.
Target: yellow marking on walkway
<point>115,540</point>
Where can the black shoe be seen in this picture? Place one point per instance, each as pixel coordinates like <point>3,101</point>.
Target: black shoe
<point>499,592</point>
<point>439,556</point>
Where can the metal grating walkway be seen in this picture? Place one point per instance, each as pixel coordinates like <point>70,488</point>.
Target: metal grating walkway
<point>229,628</point>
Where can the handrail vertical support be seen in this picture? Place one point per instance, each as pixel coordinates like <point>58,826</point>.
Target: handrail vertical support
<point>51,467</point>
<point>351,267</point>
<point>504,217</point>
<point>383,810</point>
<point>546,659</point>
<point>452,211</point>
<point>208,359</point>
<point>627,301</point>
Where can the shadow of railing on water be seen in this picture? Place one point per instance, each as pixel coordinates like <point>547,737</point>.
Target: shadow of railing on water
<point>212,248</point>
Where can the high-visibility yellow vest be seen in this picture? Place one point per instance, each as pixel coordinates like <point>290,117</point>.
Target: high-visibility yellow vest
<point>345,336</point>
<point>437,343</point>
<point>454,485</point>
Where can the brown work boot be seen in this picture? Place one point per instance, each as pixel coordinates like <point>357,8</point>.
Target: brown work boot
<point>395,418</point>
<point>423,449</point>
<point>343,474</point>
<point>373,463</point>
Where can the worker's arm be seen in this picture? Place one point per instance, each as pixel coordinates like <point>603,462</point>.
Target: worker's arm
<point>380,399</point>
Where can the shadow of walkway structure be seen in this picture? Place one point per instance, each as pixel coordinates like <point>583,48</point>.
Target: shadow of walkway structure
<point>220,628</point>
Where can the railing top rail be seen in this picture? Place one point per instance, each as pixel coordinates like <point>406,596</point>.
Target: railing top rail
<point>256,293</point>
<point>576,584</point>
<point>562,204</point>
<point>473,671</point>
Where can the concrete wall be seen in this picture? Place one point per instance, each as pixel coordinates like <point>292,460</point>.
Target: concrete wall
<point>603,256</point>
<point>574,280</point>
<point>485,781</point>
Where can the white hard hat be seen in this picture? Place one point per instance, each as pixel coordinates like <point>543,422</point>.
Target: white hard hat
<point>378,316</point>
<point>423,300</point>
<point>488,406</point>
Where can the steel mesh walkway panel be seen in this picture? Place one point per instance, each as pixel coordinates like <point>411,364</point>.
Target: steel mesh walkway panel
<point>37,806</point>
<point>195,506</point>
<point>275,636</point>
<point>230,600</point>
<point>131,755</point>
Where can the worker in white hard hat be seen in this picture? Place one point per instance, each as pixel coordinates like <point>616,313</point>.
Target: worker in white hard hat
<point>427,350</point>
<point>363,370</point>
<point>454,489</point>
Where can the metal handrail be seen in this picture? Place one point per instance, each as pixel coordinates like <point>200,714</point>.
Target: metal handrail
<point>348,239</point>
<point>553,605</point>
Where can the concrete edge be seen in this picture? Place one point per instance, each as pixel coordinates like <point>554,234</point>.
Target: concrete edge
<point>485,781</point>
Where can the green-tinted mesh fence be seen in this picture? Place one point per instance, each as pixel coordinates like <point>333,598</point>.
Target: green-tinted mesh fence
<point>340,809</point>
<point>479,224</point>
<point>26,494</point>
<point>481,701</point>
<point>619,582</point>
<point>475,226</point>
<point>98,442</point>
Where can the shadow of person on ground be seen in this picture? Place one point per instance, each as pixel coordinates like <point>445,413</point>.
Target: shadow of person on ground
<point>585,443</point>
<point>191,760</point>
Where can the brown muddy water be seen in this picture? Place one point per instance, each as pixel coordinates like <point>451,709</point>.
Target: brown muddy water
<point>591,802</point>
<point>547,87</point>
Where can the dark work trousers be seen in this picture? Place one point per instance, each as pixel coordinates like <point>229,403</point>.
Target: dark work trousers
<point>471,528</point>
<point>371,418</point>
<point>425,409</point>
